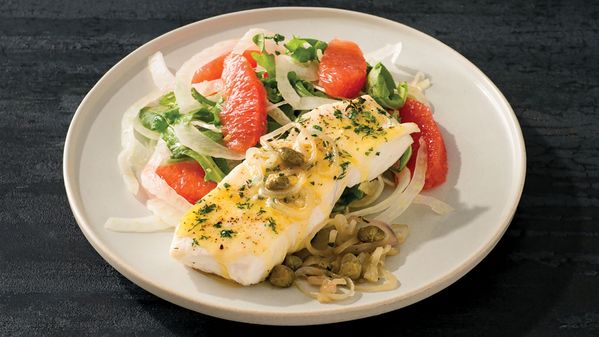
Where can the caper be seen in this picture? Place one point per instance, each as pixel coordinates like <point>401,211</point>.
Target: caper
<point>350,266</point>
<point>293,262</point>
<point>371,234</point>
<point>291,157</point>
<point>277,182</point>
<point>281,276</point>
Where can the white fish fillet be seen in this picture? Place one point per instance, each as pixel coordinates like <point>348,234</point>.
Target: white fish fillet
<point>230,232</point>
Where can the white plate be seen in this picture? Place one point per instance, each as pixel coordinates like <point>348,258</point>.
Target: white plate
<point>486,172</point>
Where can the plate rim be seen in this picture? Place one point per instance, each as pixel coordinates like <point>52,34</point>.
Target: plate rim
<point>327,315</point>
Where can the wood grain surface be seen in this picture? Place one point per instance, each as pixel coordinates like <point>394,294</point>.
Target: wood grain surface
<point>541,280</point>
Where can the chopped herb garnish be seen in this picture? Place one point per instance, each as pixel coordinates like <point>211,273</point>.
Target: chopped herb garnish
<point>227,185</point>
<point>338,114</point>
<point>329,156</point>
<point>227,233</point>
<point>218,224</point>
<point>261,211</point>
<point>343,166</point>
<point>272,224</point>
<point>243,205</point>
<point>207,209</point>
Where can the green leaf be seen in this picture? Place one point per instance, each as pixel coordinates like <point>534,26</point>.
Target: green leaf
<point>266,61</point>
<point>403,161</point>
<point>168,100</point>
<point>381,86</point>
<point>402,91</point>
<point>271,125</point>
<point>304,50</point>
<point>349,195</point>
<point>215,136</point>
<point>211,170</point>
<point>201,99</point>
<point>272,90</point>
<point>258,40</point>
<point>223,165</point>
<point>303,88</point>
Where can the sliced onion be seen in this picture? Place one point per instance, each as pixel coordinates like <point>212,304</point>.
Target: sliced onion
<point>388,50</point>
<point>156,185</point>
<point>278,115</point>
<point>207,126</point>
<point>208,88</point>
<point>435,204</point>
<point>142,130</point>
<point>417,86</point>
<point>404,180</point>
<point>165,212</point>
<point>372,189</point>
<point>411,191</point>
<point>264,140</point>
<point>313,102</point>
<point>390,282</point>
<point>284,65</point>
<point>194,139</point>
<point>304,71</point>
<point>134,154</point>
<point>185,74</point>
<point>162,76</point>
<point>150,223</point>
<point>246,42</point>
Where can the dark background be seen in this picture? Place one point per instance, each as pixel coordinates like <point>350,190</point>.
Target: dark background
<point>541,280</point>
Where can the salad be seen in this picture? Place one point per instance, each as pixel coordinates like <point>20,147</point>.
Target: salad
<point>269,156</point>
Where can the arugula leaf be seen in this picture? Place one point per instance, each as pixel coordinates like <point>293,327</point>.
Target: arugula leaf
<point>209,112</point>
<point>349,195</point>
<point>266,61</point>
<point>271,125</point>
<point>403,161</point>
<point>200,98</point>
<point>303,88</point>
<point>270,85</point>
<point>304,50</point>
<point>178,151</point>
<point>259,40</point>
<point>152,119</point>
<point>222,164</point>
<point>381,86</point>
<point>288,110</point>
<point>215,136</point>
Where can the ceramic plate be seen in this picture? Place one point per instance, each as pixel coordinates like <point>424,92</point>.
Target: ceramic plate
<point>486,172</point>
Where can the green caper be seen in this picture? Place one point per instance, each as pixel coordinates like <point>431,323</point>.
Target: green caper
<point>291,157</point>
<point>350,266</point>
<point>293,262</point>
<point>371,234</point>
<point>281,276</point>
<point>277,182</point>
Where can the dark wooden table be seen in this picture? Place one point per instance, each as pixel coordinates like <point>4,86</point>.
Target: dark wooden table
<point>541,280</point>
